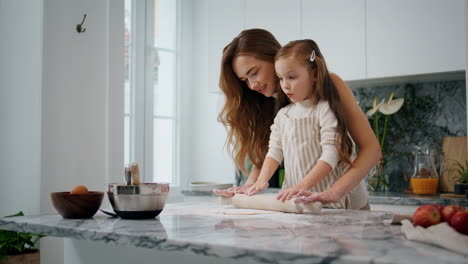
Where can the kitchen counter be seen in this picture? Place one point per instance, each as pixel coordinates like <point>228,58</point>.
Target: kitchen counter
<point>382,198</point>
<point>204,228</point>
<point>412,199</point>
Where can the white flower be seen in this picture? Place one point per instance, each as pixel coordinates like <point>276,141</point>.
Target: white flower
<point>392,106</point>
<point>375,108</point>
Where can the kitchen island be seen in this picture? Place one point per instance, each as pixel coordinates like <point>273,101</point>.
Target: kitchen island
<point>205,232</point>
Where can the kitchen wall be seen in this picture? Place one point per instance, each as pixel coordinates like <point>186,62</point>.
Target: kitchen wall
<point>61,103</point>
<point>20,105</point>
<point>432,110</point>
<point>82,99</point>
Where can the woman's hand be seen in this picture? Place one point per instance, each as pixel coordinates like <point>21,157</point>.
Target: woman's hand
<point>256,188</point>
<point>233,190</point>
<point>323,197</point>
<point>287,194</point>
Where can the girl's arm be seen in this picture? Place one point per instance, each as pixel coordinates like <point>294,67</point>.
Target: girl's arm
<point>258,179</point>
<point>364,137</point>
<point>268,169</point>
<point>318,172</point>
<point>253,176</point>
<point>272,159</point>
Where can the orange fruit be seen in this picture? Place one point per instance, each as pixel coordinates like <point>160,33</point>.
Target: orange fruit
<point>80,189</point>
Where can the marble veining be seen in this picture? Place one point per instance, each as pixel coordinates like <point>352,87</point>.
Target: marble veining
<point>411,199</point>
<point>204,228</point>
<point>432,110</point>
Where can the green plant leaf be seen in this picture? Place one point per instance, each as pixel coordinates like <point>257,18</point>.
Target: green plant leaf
<point>6,235</point>
<point>12,242</point>
<point>20,213</point>
<point>461,171</point>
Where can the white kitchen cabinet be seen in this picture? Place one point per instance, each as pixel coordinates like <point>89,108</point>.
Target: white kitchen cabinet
<point>360,40</point>
<point>338,27</point>
<point>414,37</point>
<point>225,20</point>
<point>281,18</point>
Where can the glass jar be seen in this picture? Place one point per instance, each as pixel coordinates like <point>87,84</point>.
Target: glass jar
<point>425,179</point>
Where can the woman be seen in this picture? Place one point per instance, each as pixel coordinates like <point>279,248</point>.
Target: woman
<point>253,97</point>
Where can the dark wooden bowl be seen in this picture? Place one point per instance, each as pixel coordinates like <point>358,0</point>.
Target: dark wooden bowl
<point>77,205</point>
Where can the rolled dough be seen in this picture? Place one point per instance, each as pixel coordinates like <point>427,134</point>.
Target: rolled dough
<point>269,202</point>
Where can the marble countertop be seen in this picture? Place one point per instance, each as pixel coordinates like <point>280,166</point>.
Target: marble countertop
<point>411,199</point>
<point>208,229</point>
<point>381,198</point>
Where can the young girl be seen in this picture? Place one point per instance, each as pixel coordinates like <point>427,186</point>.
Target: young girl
<point>310,134</point>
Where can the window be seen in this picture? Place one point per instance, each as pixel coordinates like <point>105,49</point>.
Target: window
<point>151,123</point>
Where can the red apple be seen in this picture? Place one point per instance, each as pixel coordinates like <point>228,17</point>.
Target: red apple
<point>450,210</point>
<point>426,215</point>
<point>459,222</point>
<point>440,207</point>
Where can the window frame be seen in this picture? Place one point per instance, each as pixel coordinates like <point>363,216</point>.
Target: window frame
<point>142,88</point>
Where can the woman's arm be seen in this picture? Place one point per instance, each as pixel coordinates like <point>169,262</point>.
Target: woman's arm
<point>362,134</point>
<point>364,137</point>
<point>253,176</point>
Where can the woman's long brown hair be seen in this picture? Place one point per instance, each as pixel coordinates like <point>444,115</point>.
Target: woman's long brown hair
<point>247,114</point>
<point>324,89</point>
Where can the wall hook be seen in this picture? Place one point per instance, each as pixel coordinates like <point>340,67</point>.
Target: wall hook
<point>79,27</point>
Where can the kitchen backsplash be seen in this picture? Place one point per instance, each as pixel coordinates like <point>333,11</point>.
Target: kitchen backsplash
<point>432,110</point>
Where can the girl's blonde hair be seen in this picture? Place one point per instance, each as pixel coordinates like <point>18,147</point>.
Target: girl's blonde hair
<point>324,90</point>
<point>247,114</point>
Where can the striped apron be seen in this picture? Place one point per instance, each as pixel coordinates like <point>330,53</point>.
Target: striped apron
<point>300,139</point>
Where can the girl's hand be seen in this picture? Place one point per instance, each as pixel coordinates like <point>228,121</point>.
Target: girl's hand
<point>287,194</point>
<point>256,188</point>
<point>233,190</point>
<point>323,197</point>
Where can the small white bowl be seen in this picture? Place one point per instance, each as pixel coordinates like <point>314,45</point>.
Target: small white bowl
<point>209,186</point>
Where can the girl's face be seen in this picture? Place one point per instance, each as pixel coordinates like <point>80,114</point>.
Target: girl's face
<point>295,79</point>
<point>259,75</point>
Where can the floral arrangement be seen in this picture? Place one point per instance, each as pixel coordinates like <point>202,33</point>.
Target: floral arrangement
<point>377,180</point>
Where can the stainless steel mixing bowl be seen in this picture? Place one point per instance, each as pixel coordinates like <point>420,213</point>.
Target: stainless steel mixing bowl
<point>142,201</point>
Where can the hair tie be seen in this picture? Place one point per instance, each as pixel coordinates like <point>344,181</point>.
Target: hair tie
<point>312,56</point>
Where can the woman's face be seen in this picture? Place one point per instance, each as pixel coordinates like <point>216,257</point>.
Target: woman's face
<point>259,75</point>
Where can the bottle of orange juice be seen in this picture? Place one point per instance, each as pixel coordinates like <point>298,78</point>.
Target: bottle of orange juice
<point>425,179</point>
